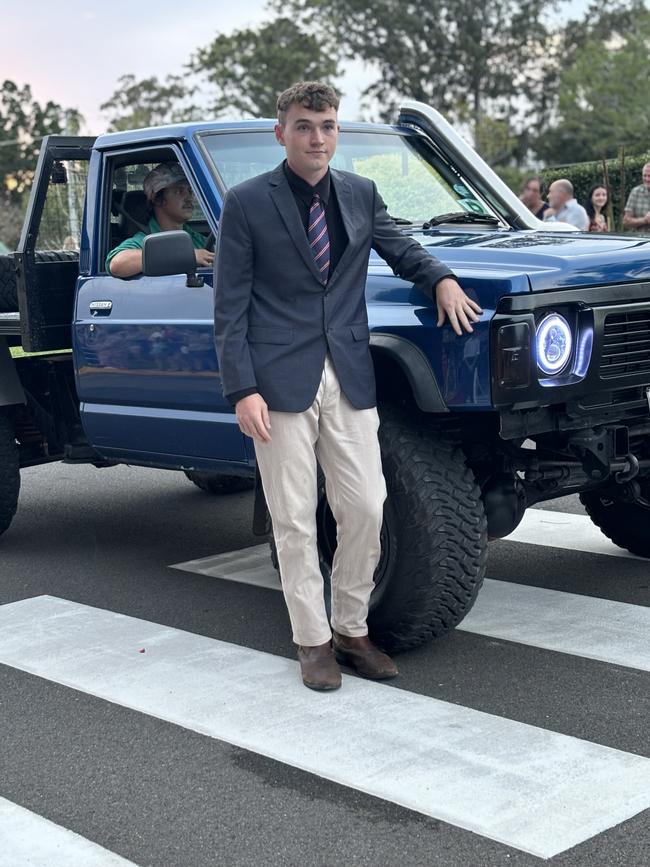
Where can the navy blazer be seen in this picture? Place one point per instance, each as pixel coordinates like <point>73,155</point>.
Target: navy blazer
<point>274,320</point>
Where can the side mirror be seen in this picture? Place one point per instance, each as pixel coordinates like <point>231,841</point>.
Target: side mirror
<point>166,253</point>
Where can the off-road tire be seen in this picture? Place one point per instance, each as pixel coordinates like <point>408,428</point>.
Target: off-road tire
<point>212,483</point>
<point>8,285</point>
<point>626,524</point>
<point>9,470</point>
<point>434,536</point>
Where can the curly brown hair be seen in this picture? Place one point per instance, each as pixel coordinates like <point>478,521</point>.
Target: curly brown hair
<point>313,95</point>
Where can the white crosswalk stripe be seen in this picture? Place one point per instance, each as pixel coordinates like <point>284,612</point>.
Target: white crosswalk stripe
<point>567,531</point>
<point>524,786</point>
<point>29,840</point>
<point>521,785</point>
<point>613,632</point>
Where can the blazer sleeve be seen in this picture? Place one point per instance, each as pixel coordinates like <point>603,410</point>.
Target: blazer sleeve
<point>233,283</point>
<point>406,257</point>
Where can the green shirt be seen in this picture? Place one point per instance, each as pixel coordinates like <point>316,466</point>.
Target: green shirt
<point>136,242</point>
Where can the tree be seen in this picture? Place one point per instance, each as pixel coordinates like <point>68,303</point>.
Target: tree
<point>249,68</point>
<point>23,124</point>
<point>149,102</point>
<point>466,57</point>
<point>602,98</point>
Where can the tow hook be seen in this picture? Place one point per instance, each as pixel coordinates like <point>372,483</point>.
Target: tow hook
<point>630,471</point>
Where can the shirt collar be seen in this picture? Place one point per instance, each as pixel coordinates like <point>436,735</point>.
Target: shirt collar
<point>303,189</point>
<point>154,226</point>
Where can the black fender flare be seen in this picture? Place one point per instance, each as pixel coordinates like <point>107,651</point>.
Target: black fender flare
<point>416,367</point>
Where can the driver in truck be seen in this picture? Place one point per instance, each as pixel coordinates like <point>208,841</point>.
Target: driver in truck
<point>171,202</point>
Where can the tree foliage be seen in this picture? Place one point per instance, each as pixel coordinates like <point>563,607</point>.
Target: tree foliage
<point>465,57</point>
<point>23,124</point>
<point>602,97</point>
<point>248,68</point>
<point>149,102</point>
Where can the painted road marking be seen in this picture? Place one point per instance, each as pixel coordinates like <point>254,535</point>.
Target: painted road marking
<point>245,566</point>
<point>515,783</point>
<point>614,632</point>
<point>566,531</point>
<point>30,840</point>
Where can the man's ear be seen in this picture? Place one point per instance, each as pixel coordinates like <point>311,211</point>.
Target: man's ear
<point>279,132</point>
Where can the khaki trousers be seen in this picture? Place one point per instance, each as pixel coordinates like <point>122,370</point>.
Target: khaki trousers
<point>344,441</point>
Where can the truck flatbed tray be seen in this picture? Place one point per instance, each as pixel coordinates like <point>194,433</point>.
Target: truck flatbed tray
<point>9,324</point>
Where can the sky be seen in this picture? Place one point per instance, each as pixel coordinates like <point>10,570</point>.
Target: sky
<point>73,53</point>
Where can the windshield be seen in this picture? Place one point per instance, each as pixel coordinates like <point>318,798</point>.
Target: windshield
<point>413,182</point>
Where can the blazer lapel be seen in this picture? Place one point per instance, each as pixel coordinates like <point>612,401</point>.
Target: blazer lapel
<point>344,196</point>
<point>286,205</point>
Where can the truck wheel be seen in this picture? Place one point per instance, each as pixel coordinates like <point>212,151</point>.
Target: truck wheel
<point>218,484</point>
<point>9,470</point>
<point>8,285</point>
<point>434,536</point>
<point>626,524</point>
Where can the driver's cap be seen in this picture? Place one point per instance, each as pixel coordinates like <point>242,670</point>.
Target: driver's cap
<point>161,177</point>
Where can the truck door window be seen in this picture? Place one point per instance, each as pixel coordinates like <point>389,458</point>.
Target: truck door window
<point>60,224</point>
<point>131,213</point>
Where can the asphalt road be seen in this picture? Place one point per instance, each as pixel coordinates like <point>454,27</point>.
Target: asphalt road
<point>158,793</point>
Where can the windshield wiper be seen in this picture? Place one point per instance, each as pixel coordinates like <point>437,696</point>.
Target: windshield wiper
<point>401,221</point>
<point>461,217</point>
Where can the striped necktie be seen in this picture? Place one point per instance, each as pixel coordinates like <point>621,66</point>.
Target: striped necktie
<point>318,237</point>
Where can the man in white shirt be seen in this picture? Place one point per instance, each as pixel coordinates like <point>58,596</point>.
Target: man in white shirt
<point>564,207</point>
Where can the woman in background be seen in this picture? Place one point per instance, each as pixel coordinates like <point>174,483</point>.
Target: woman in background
<point>595,206</point>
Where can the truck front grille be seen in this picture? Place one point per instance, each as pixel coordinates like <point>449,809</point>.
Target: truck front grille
<point>626,344</point>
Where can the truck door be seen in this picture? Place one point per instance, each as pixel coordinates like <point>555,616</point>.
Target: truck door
<point>47,259</point>
<point>147,372</point>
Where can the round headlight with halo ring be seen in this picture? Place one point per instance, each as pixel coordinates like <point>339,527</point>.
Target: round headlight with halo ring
<point>554,344</point>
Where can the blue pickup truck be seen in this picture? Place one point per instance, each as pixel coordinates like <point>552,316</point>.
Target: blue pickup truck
<point>549,396</point>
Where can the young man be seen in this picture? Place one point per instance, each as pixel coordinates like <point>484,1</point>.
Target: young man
<point>292,337</point>
<point>637,207</point>
<point>172,202</point>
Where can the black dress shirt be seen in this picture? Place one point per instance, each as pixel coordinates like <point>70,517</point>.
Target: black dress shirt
<point>303,194</point>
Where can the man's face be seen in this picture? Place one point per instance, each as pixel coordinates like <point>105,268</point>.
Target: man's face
<point>645,175</point>
<point>557,196</point>
<point>530,193</point>
<point>178,202</point>
<point>310,139</point>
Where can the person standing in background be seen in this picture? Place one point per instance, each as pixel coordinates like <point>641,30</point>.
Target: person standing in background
<point>637,209</point>
<point>532,195</point>
<point>597,200</point>
<point>564,207</point>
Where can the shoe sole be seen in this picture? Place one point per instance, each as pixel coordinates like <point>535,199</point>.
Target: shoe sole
<point>344,660</point>
<point>318,687</point>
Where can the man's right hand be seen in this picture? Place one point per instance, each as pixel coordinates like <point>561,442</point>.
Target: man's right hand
<point>253,417</point>
<point>204,258</point>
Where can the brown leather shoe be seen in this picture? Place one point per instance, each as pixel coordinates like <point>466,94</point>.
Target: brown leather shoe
<point>361,654</point>
<point>319,667</point>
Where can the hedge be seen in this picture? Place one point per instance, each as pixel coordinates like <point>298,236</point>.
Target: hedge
<point>584,175</point>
